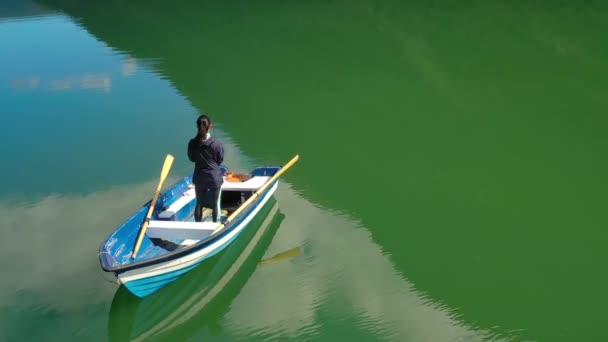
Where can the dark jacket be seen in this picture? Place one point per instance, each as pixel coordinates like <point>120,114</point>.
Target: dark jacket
<point>207,156</point>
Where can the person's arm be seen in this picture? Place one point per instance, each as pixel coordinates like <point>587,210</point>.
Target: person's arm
<point>191,151</point>
<point>220,153</point>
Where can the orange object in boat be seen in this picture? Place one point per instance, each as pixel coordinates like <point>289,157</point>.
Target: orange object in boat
<point>236,177</point>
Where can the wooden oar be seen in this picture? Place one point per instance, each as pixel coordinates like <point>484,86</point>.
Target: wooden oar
<point>163,175</point>
<point>257,193</point>
<point>282,256</point>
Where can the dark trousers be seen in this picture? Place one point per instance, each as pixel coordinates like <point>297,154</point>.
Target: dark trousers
<point>201,201</point>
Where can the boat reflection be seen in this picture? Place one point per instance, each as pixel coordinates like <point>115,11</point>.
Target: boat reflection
<point>200,299</point>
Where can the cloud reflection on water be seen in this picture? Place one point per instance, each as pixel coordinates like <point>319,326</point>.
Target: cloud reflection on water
<point>54,255</point>
<point>54,242</point>
<point>341,264</point>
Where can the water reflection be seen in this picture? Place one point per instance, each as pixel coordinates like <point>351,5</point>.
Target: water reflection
<point>473,106</point>
<point>129,66</point>
<point>49,262</point>
<point>49,258</point>
<point>321,269</point>
<point>41,63</point>
<point>55,74</point>
<point>99,82</point>
<point>338,278</point>
<point>317,259</point>
<point>199,300</point>
<point>293,252</point>
<point>341,276</point>
<point>25,83</point>
<point>21,9</point>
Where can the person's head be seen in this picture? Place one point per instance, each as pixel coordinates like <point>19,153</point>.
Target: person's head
<point>203,124</point>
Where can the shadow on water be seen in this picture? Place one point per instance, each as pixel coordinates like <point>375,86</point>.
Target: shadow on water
<point>201,298</point>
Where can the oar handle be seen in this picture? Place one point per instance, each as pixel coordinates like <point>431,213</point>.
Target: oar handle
<point>258,192</point>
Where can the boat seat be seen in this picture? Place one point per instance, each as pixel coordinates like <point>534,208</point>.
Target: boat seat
<point>188,242</point>
<point>170,212</point>
<point>170,230</point>
<point>251,184</point>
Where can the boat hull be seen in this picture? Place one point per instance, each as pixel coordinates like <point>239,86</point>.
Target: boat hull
<point>200,298</point>
<point>149,279</point>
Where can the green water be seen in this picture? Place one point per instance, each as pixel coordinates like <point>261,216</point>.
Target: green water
<point>451,187</point>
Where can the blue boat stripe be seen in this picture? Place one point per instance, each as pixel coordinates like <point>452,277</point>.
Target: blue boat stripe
<point>145,286</point>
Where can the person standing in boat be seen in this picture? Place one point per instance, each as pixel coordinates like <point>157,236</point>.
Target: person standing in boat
<point>207,154</point>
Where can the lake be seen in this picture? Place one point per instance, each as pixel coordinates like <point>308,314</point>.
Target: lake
<point>452,182</point>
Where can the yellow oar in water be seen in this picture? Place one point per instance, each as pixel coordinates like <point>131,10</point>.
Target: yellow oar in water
<point>282,256</point>
<point>163,175</point>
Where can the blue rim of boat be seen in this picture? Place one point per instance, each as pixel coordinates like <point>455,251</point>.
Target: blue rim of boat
<point>109,265</point>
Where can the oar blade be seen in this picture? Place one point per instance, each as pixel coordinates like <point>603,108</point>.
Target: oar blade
<point>166,167</point>
<point>296,251</point>
<point>255,194</point>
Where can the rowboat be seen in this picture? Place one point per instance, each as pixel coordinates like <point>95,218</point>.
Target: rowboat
<point>200,299</point>
<point>159,243</point>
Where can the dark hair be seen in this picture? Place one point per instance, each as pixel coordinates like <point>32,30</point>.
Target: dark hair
<point>203,123</point>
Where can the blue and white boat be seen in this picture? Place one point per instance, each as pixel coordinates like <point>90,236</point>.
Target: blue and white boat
<point>200,299</point>
<point>171,243</point>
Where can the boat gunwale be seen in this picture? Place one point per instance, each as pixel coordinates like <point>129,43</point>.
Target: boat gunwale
<point>105,259</point>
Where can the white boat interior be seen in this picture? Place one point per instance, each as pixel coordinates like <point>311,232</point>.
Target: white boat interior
<point>187,232</point>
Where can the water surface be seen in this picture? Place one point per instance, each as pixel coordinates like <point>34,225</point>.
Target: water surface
<point>451,183</point>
